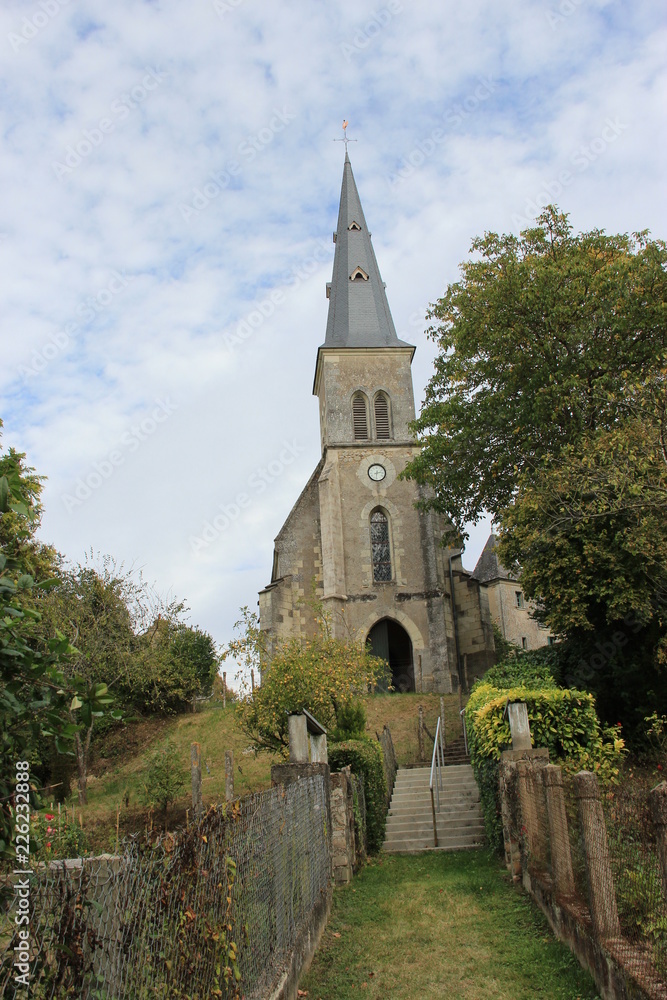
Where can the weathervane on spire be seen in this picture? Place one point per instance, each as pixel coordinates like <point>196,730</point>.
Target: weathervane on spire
<point>345,138</point>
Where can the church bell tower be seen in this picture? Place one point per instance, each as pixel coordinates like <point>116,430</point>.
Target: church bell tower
<point>376,560</point>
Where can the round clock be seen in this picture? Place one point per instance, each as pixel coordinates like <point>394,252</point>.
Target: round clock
<point>377,473</point>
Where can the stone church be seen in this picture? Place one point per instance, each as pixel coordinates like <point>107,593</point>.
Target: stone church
<point>354,536</point>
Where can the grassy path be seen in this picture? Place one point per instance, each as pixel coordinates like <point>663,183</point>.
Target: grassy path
<point>440,925</point>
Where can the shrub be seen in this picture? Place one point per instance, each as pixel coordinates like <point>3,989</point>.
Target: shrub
<point>364,756</point>
<point>530,668</point>
<point>164,777</point>
<point>562,720</point>
<point>320,673</point>
<point>350,722</point>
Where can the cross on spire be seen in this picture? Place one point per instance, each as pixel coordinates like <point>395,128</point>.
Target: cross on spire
<point>345,138</point>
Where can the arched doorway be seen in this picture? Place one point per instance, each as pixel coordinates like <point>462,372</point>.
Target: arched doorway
<point>390,641</point>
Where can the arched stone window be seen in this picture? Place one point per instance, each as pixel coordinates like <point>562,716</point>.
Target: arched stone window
<point>360,417</point>
<point>380,547</point>
<point>382,420</point>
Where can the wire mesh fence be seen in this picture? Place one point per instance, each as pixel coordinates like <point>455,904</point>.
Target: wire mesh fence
<point>213,913</point>
<point>600,853</point>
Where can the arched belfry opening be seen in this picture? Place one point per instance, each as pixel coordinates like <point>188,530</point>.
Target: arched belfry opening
<point>389,640</point>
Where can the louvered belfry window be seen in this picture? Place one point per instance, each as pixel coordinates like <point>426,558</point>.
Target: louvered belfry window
<point>360,417</point>
<point>380,550</point>
<point>382,431</point>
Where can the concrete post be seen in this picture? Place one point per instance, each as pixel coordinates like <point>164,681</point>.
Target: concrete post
<point>519,725</point>
<point>528,806</point>
<point>604,912</point>
<point>195,773</point>
<point>298,739</point>
<point>559,838</point>
<point>318,749</point>
<point>658,799</point>
<point>229,775</point>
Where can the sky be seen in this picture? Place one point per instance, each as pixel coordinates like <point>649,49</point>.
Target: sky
<point>170,185</point>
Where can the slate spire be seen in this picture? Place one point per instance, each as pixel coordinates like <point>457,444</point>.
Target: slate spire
<point>359,313</point>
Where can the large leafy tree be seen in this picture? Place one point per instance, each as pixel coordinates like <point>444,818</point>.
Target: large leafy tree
<point>547,409</point>
<point>546,338</point>
<point>40,695</point>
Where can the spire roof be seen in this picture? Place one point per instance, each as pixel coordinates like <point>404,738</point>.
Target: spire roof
<point>359,313</point>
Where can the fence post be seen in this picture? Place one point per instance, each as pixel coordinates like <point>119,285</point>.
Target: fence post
<point>420,733</point>
<point>442,721</point>
<point>559,837</point>
<point>604,912</point>
<point>658,799</point>
<point>229,775</point>
<point>528,807</point>
<point>224,689</point>
<point>195,772</point>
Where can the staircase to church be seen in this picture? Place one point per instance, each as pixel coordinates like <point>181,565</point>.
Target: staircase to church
<point>410,820</point>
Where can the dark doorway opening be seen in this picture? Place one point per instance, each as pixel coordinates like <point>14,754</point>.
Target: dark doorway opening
<point>391,642</point>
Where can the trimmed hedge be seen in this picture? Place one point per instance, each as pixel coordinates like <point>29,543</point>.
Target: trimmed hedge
<point>365,758</point>
<point>562,720</point>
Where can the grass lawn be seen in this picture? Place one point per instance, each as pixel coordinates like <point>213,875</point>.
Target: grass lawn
<point>120,775</point>
<point>440,925</point>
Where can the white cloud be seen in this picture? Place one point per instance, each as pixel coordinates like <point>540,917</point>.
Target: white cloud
<point>230,79</point>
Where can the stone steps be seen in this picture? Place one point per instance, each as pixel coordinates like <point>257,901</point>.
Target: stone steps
<point>410,821</point>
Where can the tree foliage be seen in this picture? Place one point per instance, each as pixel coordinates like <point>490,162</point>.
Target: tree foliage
<point>548,409</point>
<point>546,338</point>
<point>40,695</point>
<point>322,674</point>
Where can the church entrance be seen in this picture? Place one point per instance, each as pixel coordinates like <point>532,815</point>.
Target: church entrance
<point>391,642</point>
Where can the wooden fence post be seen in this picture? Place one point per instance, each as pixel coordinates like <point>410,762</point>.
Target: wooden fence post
<point>195,772</point>
<point>602,895</point>
<point>658,799</point>
<point>224,689</point>
<point>559,837</point>
<point>420,733</point>
<point>229,775</point>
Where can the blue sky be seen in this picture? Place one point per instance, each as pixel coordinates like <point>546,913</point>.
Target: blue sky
<point>170,187</point>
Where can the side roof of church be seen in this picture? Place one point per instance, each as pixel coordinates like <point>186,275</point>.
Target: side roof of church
<point>489,566</point>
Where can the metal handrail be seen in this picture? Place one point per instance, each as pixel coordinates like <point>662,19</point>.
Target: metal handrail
<point>437,763</point>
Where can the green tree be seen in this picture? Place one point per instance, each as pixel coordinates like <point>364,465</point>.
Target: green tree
<point>165,778</point>
<point>37,698</point>
<point>546,338</point>
<point>547,409</point>
<point>322,674</point>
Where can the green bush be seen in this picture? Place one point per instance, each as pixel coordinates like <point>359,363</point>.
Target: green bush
<point>165,779</point>
<point>364,756</point>
<point>562,720</point>
<point>350,721</point>
<point>531,668</point>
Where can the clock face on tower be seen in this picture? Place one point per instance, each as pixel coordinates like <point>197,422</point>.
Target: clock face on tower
<point>377,473</point>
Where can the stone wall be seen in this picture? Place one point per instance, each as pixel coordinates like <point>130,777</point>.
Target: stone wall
<point>515,623</point>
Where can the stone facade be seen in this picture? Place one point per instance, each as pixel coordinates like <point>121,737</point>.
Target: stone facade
<point>508,607</point>
<point>355,538</point>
